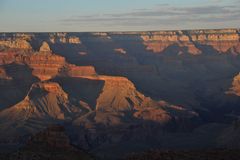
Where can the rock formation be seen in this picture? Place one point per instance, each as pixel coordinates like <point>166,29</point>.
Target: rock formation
<point>64,38</point>
<point>46,66</point>
<point>16,44</point>
<point>74,40</point>
<point>45,103</point>
<point>45,48</point>
<point>78,71</point>
<point>48,102</point>
<point>221,40</point>
<point>120,50</point>
<point>235,86</point>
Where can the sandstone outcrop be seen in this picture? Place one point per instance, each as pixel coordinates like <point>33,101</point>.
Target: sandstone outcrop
<point>45,48</point>
<point>45,65</point>
<point>78,71</point>
<point>16,44</point>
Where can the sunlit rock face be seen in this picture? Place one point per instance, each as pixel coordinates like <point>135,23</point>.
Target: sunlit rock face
<point>16,44</point>
<point>235,89</point>
<point>220,40</point>
<point>158,42</point>
<point>44,66</point>
<point>78,71</point>
<point>45,103</point>
<point>45,47</point>
<point>18,41</point>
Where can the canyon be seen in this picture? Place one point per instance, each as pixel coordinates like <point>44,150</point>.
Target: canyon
<point>128,90</point>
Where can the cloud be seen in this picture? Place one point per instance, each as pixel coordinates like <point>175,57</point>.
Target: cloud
<point>164,15</point>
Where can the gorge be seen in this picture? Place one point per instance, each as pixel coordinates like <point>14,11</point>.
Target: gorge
<point>128,90</point>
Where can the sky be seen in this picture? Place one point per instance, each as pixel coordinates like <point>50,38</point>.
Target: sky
<point>116,15</point>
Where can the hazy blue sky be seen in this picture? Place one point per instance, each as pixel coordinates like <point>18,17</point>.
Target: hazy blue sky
<point>116,15</point>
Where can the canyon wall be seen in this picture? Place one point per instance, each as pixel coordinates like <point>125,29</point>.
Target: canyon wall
<point>188,41</point>
<point>16,44</point>
<point>220,40</point>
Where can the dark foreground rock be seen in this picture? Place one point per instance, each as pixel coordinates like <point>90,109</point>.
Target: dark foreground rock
<point>220,154</point>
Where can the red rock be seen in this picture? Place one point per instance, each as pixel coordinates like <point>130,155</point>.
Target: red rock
<point>235,86</point>
<point>221,40</point>
<point>78,71</point>
<point>45,48</point>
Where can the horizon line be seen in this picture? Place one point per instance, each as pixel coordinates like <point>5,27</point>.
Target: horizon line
<point>123,31</point>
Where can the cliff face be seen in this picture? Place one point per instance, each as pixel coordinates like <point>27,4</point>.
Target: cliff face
<point>45,65</point>
<point>220,40</point>
<point>16,44</point>
<point>119,102</point>
<point>86,100</point>
<point>78,71</point>
<point>119,94</point>
<point>193,42</point>
<point>45,103</point>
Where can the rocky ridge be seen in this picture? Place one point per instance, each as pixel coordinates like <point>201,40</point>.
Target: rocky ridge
<point>44,64</point>
<point>49,101</point>
<point>220,40</point>
<point>188,41</point>
<point>45,48</point>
